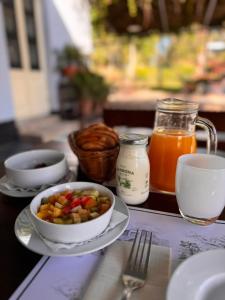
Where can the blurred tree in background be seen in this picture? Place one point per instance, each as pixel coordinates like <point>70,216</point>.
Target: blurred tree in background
<point>156,61</point>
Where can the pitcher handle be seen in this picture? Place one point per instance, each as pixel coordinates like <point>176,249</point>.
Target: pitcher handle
<point>212,135</point>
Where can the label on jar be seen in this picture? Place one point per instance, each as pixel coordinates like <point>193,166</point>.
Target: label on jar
<point>132,178</point>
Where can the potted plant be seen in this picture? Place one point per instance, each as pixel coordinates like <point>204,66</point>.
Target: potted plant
<point>92,90</point>
<point>70,60</point>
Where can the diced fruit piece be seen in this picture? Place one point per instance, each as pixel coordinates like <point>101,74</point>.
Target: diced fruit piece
<point>83,214</point>
<point>57,221</point>
<point>104,207</point>
<point>77,192</point>
<point>50,212</point>
<point>44,201</point>
<point>44,207</point>
<point>58,205</point>
<point>62,200</point>
<point>103,199</point>
<point>76,218</point>
<point>56,212</point>
<point>69,196</point>
<point>66,210</point>
<point>90,193</point>
<point>93,209</point>
<point>91,202</point>
<point>42,214</point>
<point>51,207</point>
<point>84,199</point>
<point>94,215</point>
<point>75,202</point>
<point>53,198</point>
<point>75,209</point>
<point>68,221</point>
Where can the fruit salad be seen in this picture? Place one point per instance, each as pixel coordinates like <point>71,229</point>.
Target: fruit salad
<point>73,206</point>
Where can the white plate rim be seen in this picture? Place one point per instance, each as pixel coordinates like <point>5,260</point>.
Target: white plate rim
<point>90,247</point>
<point>24,194</point>
<point>12,193</point>
<point>189,263</point>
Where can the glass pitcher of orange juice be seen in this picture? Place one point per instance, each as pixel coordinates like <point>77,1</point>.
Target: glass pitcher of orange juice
<point>174,135</point>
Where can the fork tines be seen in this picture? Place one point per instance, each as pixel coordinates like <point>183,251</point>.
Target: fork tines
<point>137,264</point>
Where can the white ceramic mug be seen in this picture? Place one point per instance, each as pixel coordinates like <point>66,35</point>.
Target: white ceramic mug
<point>200,187</point>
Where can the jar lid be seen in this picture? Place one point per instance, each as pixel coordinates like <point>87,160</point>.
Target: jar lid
<point>133,139</point>
<point>176,105</point>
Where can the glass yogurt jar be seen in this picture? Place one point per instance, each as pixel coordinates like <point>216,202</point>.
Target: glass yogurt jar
<point>133,169</point>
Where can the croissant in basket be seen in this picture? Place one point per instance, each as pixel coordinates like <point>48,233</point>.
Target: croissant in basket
<point>97,148</point>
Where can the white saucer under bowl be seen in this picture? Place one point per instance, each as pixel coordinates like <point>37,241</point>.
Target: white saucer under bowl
<point>7,188</point>
<point>26,234</point>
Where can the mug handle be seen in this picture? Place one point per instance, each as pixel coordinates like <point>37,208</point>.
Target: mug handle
<point>212,135</point>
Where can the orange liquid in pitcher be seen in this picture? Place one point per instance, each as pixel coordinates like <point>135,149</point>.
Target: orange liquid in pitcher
<point>165,148</point>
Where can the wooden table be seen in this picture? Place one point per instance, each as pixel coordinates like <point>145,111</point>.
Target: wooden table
<point>15,260</point>
<point>128,117</point>
<point>138,117</point>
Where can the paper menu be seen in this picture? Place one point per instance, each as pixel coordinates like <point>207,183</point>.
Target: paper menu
<point>58,278</point>
<point>65,278</point>
<point>171,230</point>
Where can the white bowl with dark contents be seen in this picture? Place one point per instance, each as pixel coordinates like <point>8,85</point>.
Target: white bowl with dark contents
<point>34,168</point>
<point>72,212</point>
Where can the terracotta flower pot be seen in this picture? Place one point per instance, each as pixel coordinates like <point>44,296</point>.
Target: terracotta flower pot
<point>70,71</point>
<point>86,108</point>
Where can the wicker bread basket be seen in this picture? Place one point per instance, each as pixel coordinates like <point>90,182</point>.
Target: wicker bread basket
<point>99,165</point>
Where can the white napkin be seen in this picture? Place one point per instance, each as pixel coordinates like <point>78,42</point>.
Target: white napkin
<point>116,219</point>
<point>106,282</point>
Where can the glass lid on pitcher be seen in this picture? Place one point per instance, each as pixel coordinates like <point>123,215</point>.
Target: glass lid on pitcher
<point>176,105</point>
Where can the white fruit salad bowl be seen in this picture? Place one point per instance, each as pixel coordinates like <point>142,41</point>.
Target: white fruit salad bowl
<point>72,212</point>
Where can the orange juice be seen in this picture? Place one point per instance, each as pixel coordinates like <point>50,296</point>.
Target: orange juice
<point>165,148</point>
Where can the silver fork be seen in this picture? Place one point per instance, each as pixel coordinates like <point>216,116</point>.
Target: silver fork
<point>135,274</point>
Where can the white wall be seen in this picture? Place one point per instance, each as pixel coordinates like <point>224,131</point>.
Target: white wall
<point>67,22</point>
<point>6,101</point>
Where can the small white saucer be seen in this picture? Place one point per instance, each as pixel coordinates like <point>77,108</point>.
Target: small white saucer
<point>19,192</point>
<point>26,234</point>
